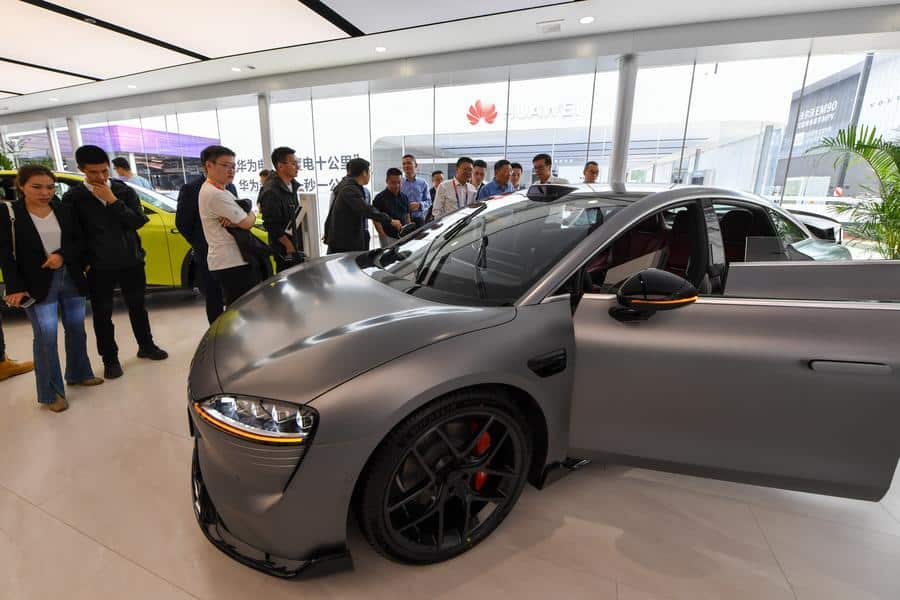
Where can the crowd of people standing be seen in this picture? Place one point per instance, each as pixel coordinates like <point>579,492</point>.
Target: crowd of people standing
<point>56,252</point>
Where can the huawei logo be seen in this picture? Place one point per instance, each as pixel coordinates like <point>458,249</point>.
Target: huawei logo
<point>479,111</point>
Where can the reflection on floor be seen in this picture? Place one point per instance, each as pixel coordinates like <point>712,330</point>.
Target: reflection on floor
<point>95,503</point>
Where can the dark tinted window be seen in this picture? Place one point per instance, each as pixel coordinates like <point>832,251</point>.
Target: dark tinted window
<point>497,256</point>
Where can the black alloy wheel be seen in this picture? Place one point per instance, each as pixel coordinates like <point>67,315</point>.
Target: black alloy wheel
<point>445,478</point>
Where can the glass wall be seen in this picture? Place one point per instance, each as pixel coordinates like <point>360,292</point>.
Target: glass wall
<point>239,130</point>
<point>552,115</point>
<point>736,125</point>
<point>27,142</point>
<point>744,121</point>
<point>397,132</point>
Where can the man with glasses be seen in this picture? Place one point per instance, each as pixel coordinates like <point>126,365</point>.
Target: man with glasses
<point>456,193</point>
<point>187,220</point>
<point>109,214</point>
<point>219,209</point>
<point>543,169</point>
<point>280,206</point>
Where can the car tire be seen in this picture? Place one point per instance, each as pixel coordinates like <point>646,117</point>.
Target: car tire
<point>468,455</point>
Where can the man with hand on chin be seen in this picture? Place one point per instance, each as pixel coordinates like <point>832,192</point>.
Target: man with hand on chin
<point>109,213</point>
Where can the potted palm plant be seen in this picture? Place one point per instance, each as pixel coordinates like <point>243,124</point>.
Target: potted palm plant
<point>876,217</point>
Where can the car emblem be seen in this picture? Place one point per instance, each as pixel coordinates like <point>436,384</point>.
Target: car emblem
<point>479,111</point>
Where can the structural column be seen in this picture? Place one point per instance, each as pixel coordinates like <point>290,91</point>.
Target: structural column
<point>265,127</point>
<point>622,124</point>
<point>74,135</point>
<point>54,147</point>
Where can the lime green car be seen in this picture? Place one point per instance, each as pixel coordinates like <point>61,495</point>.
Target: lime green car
<point>168,262</point>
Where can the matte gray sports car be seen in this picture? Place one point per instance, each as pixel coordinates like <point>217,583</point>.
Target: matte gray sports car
<point>419,388</point>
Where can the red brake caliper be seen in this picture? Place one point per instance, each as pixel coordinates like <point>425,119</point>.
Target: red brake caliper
<point>481,446</point>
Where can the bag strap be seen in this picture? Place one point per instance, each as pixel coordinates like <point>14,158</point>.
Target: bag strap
<point>12,225</point>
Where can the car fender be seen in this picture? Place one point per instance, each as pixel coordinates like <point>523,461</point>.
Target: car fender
<point>359,414</point>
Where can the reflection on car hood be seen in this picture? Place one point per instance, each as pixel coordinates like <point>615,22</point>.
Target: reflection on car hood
<point>314,327</point>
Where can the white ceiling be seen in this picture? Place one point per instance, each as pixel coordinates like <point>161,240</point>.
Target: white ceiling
<point>75,46</point>
<point>215,28</point>
<point>44,38</point>
<point>388,15</point>
<point>20,79</point>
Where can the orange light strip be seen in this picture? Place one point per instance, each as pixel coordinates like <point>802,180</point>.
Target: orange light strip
<point>682,301</point>
<point>243,434</point>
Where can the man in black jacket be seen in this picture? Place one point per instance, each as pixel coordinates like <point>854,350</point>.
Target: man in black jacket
<point>346,231</point>
<point>279,205</point>
<point>187,221</point>
<point>109,214</point>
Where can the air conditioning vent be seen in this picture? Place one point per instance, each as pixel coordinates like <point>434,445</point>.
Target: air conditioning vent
<point>554,26</point>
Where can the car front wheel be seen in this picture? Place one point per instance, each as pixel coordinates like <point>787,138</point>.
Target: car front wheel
<point>445,478</point>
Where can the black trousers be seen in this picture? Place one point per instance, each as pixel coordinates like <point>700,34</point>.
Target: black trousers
<point>236,281</point>
<point>133,283</point>
<point>212,291</point>
<point>2,340</point>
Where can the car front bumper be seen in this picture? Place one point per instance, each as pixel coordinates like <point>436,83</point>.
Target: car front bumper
<point>253,504</point>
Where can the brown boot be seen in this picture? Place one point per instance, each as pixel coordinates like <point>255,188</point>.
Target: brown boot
<point>87,382</point>
<point>58,405</point>
<point>11,368</point>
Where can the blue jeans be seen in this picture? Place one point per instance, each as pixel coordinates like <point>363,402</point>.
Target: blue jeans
<point>63,299</point>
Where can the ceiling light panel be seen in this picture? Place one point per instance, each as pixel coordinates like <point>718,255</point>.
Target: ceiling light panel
<point>387,15</point>
<point>214,28</point>
<point>25,80</point>
<point>45,38</point>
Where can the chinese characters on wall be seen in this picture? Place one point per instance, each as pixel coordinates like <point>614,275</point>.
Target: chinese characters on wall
<point>330,169</point>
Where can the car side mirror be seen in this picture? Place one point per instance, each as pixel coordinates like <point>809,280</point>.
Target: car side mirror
<point>651,290</point>
<point>408,229</point>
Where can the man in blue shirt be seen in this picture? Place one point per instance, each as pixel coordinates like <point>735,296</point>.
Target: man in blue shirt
<point>500,183</point>
<point>415,189</point>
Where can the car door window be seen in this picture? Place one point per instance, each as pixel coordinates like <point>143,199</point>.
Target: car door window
<point>671,239</point>
<point>748,233</point>
<point>788,231</point>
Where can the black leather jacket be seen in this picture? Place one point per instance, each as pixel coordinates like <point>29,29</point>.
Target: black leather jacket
<point>279,205</point>
<point>110,231</point>
<point>346,224</point>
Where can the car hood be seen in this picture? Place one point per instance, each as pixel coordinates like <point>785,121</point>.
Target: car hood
<point>316,326</point>
<point>818,249</point>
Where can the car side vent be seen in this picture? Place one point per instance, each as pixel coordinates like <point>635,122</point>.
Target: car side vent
<point>548,364</point>
<point>549,192</point>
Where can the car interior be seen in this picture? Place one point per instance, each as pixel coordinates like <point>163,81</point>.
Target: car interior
<point>670,240</point>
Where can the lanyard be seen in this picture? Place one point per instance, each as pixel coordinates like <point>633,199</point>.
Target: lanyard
<point>455,193</point>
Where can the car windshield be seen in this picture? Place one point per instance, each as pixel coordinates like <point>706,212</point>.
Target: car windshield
<point>163,203</point>
<point>488,254</point>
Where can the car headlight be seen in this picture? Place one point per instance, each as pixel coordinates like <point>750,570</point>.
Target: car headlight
<point>259,419</point>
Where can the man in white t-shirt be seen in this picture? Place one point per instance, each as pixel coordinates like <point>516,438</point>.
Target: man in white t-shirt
<point>456,193</point>
<point>218,210</point>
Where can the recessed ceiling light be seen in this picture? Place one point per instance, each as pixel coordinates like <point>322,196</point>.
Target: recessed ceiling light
<point>586,20</point>
<point>380,49</point>
<point>54,99</point>
<point>132,87</point>
<point>236,69</point>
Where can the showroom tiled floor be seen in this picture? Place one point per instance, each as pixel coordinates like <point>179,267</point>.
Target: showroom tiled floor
<point>95,503</point>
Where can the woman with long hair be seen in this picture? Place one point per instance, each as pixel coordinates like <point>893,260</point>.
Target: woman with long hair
<point>41,259</point>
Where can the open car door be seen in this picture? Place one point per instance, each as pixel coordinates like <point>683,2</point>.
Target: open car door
<point>794,386</point>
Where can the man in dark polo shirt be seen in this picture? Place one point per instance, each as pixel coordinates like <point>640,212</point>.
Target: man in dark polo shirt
<point>393,202</point>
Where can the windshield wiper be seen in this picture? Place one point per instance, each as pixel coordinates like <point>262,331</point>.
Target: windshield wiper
<point>448,235</point>
<point>481,263</point>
